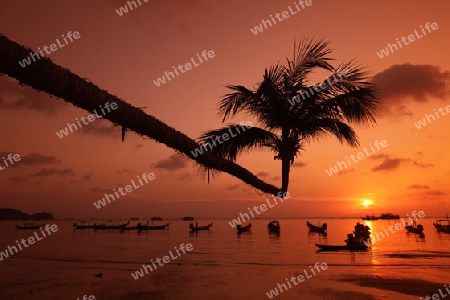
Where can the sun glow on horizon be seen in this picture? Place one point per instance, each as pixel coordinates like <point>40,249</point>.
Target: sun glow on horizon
<point>366,202</point>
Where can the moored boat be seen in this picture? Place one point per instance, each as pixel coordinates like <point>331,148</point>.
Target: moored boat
<point>198,228</point>
<point>110,227</point>
<point>85,225</point>
<point>245,228</point>
<point>359,240</point>
<point>273,227</point>
<point>29,226</point>
<point>442,225</point>
<point>342,247</point>
<point>317,229</point>
<point>153,227</point>
<point>156,219</point>
<point>89,226</point>
<point>389,216</point>
<point>128,227</point>
<point>412,229</point>
<point>188,219</point>
<point>370,218</point>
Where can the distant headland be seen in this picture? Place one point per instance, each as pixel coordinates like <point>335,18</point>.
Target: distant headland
<point>14,214</point>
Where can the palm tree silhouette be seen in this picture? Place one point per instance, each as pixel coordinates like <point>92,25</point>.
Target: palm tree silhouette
<point>285,127</point>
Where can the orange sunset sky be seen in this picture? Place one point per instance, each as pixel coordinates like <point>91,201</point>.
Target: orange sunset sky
<point>124,54</point>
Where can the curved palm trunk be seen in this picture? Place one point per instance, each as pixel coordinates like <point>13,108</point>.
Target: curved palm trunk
<point>44,75</point>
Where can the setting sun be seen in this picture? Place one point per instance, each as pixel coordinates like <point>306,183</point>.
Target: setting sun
<point>366,203</point>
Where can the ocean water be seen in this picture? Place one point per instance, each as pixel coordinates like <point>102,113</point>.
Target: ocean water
<point>63,264</point>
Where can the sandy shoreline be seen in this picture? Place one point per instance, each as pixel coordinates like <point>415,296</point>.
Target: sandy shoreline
<point>210,281</point>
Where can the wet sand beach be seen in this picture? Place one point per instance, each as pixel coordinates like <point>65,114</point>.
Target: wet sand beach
<point>214,282</point>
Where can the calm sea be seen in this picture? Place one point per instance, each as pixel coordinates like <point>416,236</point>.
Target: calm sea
<point>68,259</point>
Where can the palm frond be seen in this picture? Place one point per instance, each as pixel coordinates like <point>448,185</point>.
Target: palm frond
<point>271,109</point>
<point>240,139</point>
<point>319,128</point>
<point>205,172</point>
<point>358,106</point>
<point>236,101</point>
<point>309,54</point>
<point>347,77</point>
<point>346,95</point>
<point>354,97</point>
